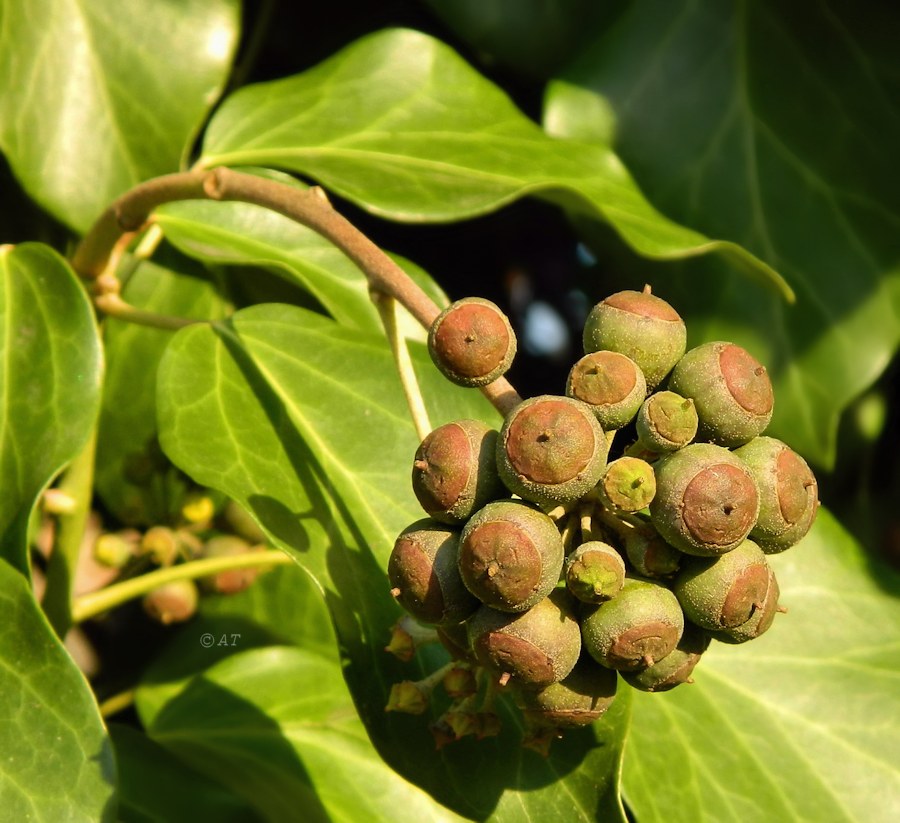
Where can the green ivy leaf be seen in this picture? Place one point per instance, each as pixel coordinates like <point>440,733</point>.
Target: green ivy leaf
<point>400,124</point>
<point>303,422</point>
<point>131,476</point>
<point>801,724</point>
<point>57,761</point>
<point>153,786</point>
<point>721,138</point>
<point>96,98</point>
<point>50,371</point>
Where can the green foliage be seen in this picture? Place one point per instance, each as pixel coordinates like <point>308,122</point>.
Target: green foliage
<point>732,154</point>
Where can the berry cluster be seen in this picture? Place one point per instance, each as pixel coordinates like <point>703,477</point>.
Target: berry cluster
<point>546,567</point>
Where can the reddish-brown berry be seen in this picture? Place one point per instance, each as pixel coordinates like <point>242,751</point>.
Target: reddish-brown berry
<point>611,384</point>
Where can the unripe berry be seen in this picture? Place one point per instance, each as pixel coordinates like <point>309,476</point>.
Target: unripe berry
<point>675,668</point>
<point>706,500</point>
<point>455,639</point>
<point>594,572</point>
<point>510,555</point>
<point>788,493</point>
<point>532,649</point>
<point>551,450</point>
<point>760,621</point>
<point>230,581</point>
<point>731,390</point>
<point>640,625</point>
<point>578,700</point>
<point>611,384</point>
<point>424,575</point>
<point>472,342</point>
<point>455,470</point>
<point>666,422</point>
<point>628,484</point>
<point>640,326</point>
<point>723,592</point>
<point>650,555</point>
<point>172,602</point>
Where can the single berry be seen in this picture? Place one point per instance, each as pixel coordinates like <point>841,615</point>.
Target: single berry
<point>510,555</point>
<point>731,390</point>
<point>640,625</point>
<point>675,668</point>
<point>455,470</point>
<point>723,592</point>
<point>230,581</point>
<point>172,602</point>
<point>551,450</point>
<point>424,575</point>
<point>116,549</point>
<point>532,649</point>
<point>788,493</point>
<point>160,543</point>
<point>666,422</point>
<point>706,500</point>
<point>594,572</point>
<point>650,555</point>
<point>455,639</point>
<point>578,700</point>
<point>628,484</point>
<point>611,384</point>
<point>760,621</point>
<point>640,326</point>
<point>472,342</point>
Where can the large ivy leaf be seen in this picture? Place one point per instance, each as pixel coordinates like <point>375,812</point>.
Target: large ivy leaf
<point>57,762</point>
<point>134,486</point>
<point>278,727</point>
<point>802,724</point>
<point>400,124</point>
<point>248,234</point>
<point>50,371</point>
<point>779,136</point>
<point>155,787</point>
<point>97,97</point>
<point>303,422</point>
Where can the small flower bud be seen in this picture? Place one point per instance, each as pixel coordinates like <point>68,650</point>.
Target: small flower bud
<point>408,697</point>
<point>459,682</point>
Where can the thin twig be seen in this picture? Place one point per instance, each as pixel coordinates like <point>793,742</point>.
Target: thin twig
<point>114,306</point>
<point>309,207</point>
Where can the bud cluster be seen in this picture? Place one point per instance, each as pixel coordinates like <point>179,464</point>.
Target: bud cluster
<point>550,564</point>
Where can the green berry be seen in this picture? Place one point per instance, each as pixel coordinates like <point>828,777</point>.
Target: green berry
<point>675,668</point>
<point>650,555</point>
<point>116,549</point>
<point>510,555</point>
<point>611,384</point>
<point>731,390</point>
<point>594,572</point>
<point>723,592</point>
<point>640,326</point>
<point>578,700</point>
<point>760,621</point>
<point>472,342</point>
<point>551,450</point>
<point>706,500</point>
<point>424,575</point>
<point>640,625</point>
<point>455,470</point>
<point>666,422</point>
<point>628,484</point>
<point>532,649</point>
<point>788,493</point>
<point>172,602</point>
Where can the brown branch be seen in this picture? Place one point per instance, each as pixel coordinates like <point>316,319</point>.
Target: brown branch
<point>309,207</point>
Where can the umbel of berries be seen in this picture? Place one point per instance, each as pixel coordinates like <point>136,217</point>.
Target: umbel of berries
<point>471,342</point>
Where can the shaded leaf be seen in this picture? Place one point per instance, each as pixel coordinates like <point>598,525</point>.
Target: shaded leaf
<point>132,477</point>
<point>155,787</point>
<point>802,723</point>
<point>780,138</point>
<point>57,761</point>
<point>96,98</point>
<point>399,124</point>
<point>303,422</point>
<point>50,372</point>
